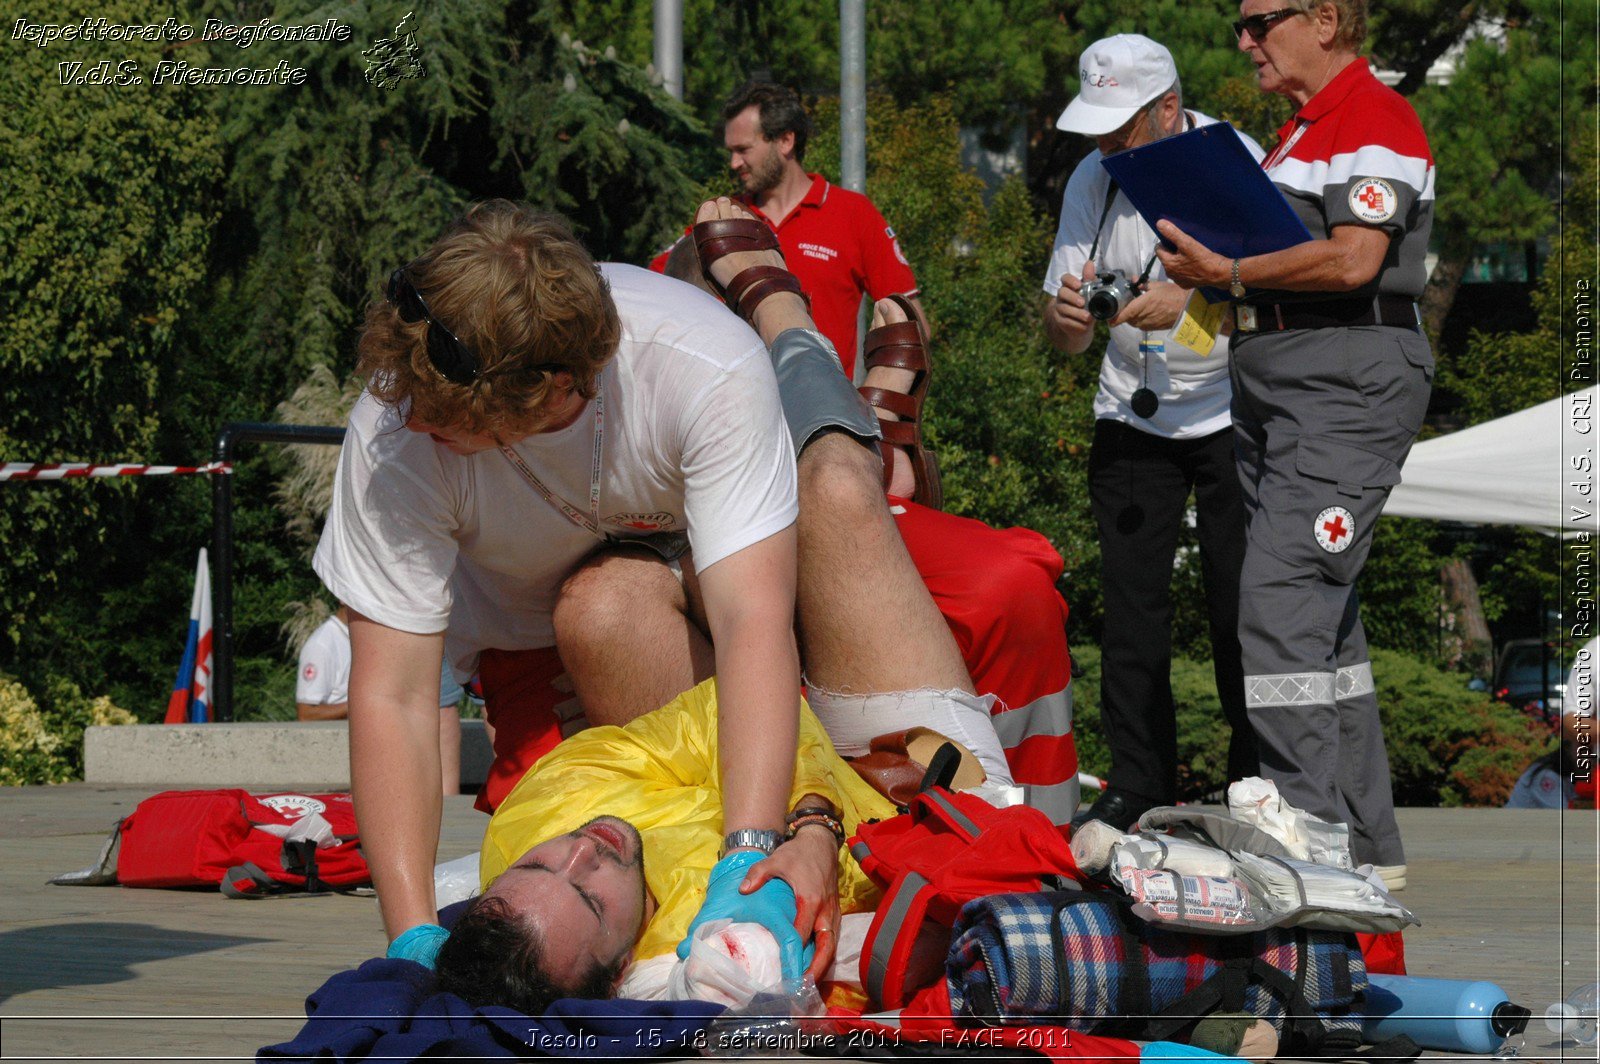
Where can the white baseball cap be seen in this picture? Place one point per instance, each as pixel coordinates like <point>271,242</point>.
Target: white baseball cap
<point>1117,75</point>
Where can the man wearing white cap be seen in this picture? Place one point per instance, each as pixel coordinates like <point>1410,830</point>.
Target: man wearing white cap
<point>1162,431</point>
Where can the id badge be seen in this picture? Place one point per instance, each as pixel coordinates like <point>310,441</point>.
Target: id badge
<point>1197,329</point>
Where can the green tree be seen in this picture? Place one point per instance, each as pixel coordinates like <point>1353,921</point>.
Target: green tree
<point>512,104</point>
<point>1499,180</point>
<point>111,195</point>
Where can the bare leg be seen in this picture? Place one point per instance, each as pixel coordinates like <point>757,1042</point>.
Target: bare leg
<point>867,622</point>
<point>627,635</point>
<point>903,482</point>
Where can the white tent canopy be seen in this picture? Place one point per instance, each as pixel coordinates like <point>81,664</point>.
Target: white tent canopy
<point>1514,470</point>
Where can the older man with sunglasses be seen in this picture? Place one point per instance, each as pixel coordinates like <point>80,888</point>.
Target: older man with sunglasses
<point>525,407</point>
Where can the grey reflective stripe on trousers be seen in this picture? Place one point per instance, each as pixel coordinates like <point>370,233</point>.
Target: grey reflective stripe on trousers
<point>1049,715</point>
<point>891,920</point>
<point>1353,681</point>
<point>1308,688</point>
<point>1058,801</point>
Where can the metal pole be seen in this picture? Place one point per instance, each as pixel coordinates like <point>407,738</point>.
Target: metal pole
<point>222,587</point>
<point>669,45</point>
<point>853,94</point>
<point>232,433</point>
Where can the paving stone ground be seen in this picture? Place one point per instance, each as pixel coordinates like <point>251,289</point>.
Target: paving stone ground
<point>110,973</point>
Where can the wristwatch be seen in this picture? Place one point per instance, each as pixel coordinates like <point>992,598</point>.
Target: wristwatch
<point>1236,289</point>
<point>761,839</point>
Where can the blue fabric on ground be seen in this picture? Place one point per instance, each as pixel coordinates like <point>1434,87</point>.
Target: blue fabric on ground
<point>390,1009</point>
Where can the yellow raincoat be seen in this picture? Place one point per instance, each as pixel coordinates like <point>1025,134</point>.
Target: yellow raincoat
<point>659,773</point>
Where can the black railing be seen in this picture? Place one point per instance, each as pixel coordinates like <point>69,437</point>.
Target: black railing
<point>236,432</point>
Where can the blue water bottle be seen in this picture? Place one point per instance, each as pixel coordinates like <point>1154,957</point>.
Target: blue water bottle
<point>1452,1015</point>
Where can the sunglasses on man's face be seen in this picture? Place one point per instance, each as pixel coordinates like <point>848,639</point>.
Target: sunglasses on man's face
<point>1258,26</point>
<point>453,359</point>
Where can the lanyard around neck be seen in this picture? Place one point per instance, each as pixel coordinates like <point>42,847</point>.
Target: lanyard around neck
<point>590,522</point>
<point>1111,197</point>
<point>1281,152</point>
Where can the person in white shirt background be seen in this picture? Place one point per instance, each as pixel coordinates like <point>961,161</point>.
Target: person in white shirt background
<point>322,692</point>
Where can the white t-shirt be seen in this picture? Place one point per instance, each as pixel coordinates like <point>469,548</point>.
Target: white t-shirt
<point>324,676</point>
<point>1193,389</point>
<point>422,539</point>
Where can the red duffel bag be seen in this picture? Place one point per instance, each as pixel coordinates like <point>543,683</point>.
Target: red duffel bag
<point>249,845</point>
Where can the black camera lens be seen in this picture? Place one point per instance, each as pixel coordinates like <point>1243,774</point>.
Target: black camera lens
<point>1103,304</point>
<point>1145,403</point>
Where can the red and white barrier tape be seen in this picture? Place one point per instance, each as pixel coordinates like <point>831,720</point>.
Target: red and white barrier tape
<point>62,470</point>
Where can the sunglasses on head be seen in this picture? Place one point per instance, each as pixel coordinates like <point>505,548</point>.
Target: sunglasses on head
<point>1258,26</point>
<point>453,359</point>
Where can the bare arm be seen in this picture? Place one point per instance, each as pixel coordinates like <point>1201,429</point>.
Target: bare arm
<point>749,604</point>
<point>394,764</point>
<point>322,710</point>
<point>1348,259</point>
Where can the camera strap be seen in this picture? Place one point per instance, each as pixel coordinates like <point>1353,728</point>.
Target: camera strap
<point>1105,212</point>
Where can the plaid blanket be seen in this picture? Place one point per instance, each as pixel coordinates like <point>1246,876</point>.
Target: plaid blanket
<point>1080,959</point>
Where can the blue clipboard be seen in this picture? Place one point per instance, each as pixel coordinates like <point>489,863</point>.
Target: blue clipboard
<point>1206,182</point>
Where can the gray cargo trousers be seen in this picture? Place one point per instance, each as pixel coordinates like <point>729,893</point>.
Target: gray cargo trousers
<point>1324,419</point>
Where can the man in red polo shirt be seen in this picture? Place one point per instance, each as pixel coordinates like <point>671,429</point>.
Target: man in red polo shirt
<point>833,240</point>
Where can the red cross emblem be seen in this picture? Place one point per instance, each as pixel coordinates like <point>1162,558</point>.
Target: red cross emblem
<point>1334,529</point>
<point>1373,200</point>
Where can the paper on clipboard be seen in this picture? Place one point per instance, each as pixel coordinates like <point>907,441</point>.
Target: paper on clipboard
<point>1206,182</point>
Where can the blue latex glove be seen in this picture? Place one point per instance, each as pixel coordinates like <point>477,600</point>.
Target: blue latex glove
<point>420,944</point>
<point>773,907</point>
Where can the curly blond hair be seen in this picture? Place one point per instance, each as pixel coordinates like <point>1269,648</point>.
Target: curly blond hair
<point>521,292</point>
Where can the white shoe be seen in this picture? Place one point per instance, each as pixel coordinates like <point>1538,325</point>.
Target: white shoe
<point>1393,876</point>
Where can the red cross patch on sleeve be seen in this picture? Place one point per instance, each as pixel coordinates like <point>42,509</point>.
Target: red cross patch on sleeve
<point>1373,199</point>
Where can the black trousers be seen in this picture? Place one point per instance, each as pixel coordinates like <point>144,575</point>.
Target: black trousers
<point>1139,488</point>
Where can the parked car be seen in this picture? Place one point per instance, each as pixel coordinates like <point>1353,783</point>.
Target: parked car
<point>1531,674</point>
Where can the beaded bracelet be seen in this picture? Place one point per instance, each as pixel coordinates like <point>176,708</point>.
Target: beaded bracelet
<point>815,815</point>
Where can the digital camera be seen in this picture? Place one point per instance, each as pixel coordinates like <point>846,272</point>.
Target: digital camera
<point>1107,294</point>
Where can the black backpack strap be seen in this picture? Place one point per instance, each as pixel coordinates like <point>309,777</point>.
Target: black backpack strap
<point>1223,991</point>
<point>299,858</point>
<point>942,767</point>
<point>1133,994</point>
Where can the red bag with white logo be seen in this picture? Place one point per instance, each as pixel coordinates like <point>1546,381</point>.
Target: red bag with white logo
<point>248,845</point>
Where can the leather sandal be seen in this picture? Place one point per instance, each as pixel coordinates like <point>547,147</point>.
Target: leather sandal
<point>901,345</point>
<point>901,764</point>
<point>725,236</point>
